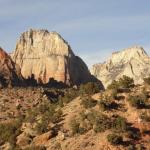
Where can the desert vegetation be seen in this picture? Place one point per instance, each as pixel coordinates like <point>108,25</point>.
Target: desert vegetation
<point>69,113</point>
<point>124,82</point>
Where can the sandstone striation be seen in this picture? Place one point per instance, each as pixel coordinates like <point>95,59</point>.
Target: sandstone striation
<point>9,72</point>
<point>133,62</point>
<point>47,55</point>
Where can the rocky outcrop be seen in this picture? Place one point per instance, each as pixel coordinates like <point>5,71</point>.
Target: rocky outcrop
<point>9,72</point>
<point>47,55</point>
<point>133,62</point>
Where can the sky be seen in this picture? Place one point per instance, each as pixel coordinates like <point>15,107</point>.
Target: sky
<point>93,28</point>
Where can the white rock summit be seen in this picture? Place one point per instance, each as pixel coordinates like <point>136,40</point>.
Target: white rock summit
<point>133,62</point>
<point>47,55</point>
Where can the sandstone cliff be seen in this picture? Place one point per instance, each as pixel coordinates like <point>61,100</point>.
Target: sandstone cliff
<point>47,55</point>
<point>133,62</point>
<point>9,72</point>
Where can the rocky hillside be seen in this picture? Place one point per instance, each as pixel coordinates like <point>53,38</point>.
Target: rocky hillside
<point>9,72</point>
<point>47,55</point>
<point>133,62</point>
<point>75,119</point>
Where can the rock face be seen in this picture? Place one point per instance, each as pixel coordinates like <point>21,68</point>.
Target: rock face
<point>9,72</point>
<point>133,62</point>
<point>47,55</point>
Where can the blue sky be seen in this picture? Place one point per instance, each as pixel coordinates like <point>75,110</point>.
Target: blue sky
<point>93,28</point>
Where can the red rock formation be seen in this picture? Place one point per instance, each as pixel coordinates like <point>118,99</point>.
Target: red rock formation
<point>9,72</point>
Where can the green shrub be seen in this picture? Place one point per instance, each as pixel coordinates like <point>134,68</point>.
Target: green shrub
<point>137,101</point>
<point>9,132</point>
<point>107,105</point>
<point>60,102</point>
<point>120,124</point>
<point>69,95</point>
<point>99,121</point>
<point>42,126</point>
<point>75,126</point>
<point>124,82</point>
<point>89,88</point>
<point>31,115</point>
<point>114,85</point>
<point>114,94</point>
<point>88,102</point>
<point>43,115</point>
<point>114,139</point>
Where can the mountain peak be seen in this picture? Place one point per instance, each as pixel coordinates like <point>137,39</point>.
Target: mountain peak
<point>42,32</point>
<point>133,62</point>
<point>44,41</point>
<point>47,55</point>
<point>135,52</point>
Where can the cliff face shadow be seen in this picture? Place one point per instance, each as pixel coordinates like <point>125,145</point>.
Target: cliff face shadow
<point>31,81</point>
<point>94,79</point>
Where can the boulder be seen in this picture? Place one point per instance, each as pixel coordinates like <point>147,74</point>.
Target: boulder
<point>43,138</point>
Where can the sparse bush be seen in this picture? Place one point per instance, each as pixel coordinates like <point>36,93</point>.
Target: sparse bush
<point>95,120</point>
<point>88,102</point>
<point>120,124</point>
<point>114,94</point>
<point>60,102</point>
<point>137,101</point>
<point>69,96</point>
<point>124,82</point>
<point>114,139</point>
<point>47,113</point>
<point>75,126</point>
<point>9,132</point>
<point>89,88</point>
<point>42,127</point>
<point>107,105</point>
<point>99,121</point>
<point>31,115</point>
<point>114,85</point>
